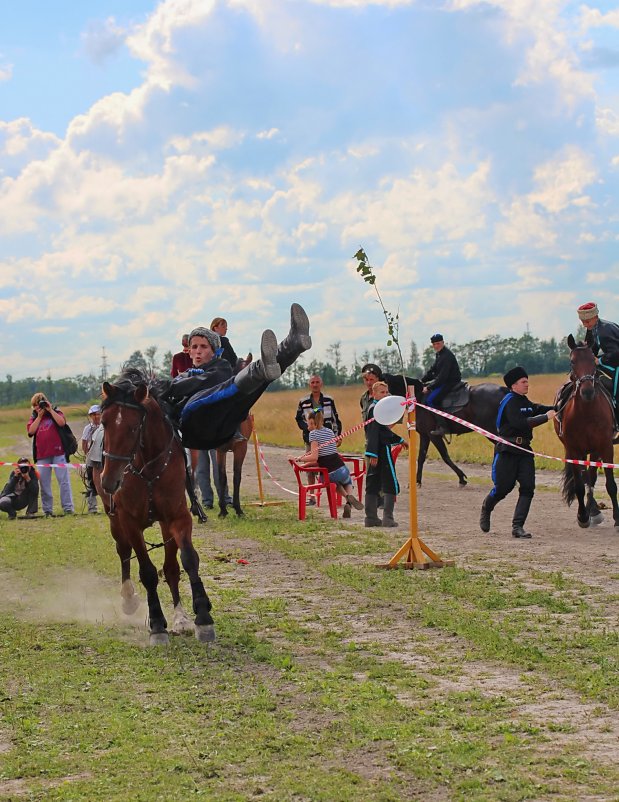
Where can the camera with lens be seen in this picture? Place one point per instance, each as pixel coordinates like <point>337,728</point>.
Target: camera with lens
<point>43,404</point>
<point>24,468</point>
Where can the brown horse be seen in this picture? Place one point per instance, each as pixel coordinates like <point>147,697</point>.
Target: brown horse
<point>143,481</point>
<point>586,428</point>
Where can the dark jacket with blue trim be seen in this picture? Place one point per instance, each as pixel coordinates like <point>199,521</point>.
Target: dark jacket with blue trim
<point>195,380</point>
<point>604,338</point>
<point>516,418</point>
<point>379,436</point>
<point>445,372</point>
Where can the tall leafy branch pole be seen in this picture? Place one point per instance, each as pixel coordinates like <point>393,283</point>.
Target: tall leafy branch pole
<point>415,553</point>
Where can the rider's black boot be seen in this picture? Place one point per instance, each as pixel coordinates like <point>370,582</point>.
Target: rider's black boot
<point>265,369</point>
<point>298,339</point>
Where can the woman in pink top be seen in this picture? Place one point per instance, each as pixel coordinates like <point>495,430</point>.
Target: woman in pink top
<point>47,449</point>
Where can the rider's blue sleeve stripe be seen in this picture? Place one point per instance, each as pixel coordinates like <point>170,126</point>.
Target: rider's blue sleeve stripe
<point>207,400</point>
<point>370,454</point>
<point>501,408</point>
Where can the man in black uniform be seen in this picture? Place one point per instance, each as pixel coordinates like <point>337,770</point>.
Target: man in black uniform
<point>603,337</point>
<point>516,417</point>
<point>442,377</point>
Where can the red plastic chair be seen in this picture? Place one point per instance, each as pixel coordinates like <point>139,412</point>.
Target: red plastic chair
<point>356,468</point>
<point>315,487</point>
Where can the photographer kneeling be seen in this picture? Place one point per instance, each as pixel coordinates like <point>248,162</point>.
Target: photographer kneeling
<point>22,490</point>
<point>48,449</point>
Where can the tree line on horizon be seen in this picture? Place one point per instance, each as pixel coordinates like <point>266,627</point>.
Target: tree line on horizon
<point>488,356</point>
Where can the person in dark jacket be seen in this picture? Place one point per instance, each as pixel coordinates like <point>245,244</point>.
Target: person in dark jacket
<point>181,361</point>
<point>516,418</point>
<point>22,490</point>
<point>603,338</point>
<point>211,401</point>
<point>317,400</point>
<point>442,377</point>
<point>220,326</point>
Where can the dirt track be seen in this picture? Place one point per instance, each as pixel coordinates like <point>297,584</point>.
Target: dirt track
<point>449,520</point>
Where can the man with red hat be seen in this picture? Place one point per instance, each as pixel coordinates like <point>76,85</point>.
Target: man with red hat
<point>516,418</point>
<point>603,338</point>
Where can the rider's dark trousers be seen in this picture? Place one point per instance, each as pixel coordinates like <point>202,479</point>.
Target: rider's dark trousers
<point>508,468</point>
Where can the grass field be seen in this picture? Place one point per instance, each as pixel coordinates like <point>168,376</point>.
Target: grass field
<point>493,681</point>
<point>274,421</point>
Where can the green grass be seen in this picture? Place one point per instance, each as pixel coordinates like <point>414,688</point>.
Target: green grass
<point>330,680</point>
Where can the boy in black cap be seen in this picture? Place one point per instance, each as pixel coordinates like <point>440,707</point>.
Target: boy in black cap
<point>516,418</point>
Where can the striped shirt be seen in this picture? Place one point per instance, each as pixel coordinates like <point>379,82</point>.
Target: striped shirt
<point>327,454</point>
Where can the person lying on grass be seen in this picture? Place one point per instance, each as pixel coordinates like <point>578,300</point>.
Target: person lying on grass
<point>323,452</point>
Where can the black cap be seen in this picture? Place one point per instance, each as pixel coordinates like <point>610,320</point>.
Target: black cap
<point>436,338</point>
<point>513,375</point>
<point>372,368</point>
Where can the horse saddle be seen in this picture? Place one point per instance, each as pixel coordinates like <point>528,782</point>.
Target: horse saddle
<point>456,398</point>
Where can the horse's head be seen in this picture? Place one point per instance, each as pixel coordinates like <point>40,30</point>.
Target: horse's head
<point>582,372</point>
<point>122,414</point>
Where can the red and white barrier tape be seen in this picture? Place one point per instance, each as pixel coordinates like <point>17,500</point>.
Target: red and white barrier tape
<point>266,467</point>
<point>587,463</point>
<point>50,464</point>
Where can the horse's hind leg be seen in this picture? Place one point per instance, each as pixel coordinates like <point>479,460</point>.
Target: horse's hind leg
<point>204,625</point>
<point>611,489</point>
<point>424,444</point>
<point>582,516</point>
<point>239,453</point>
<point>223,482</point>
<point>442,450</point>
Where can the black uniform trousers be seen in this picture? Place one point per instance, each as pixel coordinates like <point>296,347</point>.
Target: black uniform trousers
<point>508,468</point>
<point>382,478</point>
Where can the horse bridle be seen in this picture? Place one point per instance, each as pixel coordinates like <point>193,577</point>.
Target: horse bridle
<point>588,377</point>
<point>138,441</point>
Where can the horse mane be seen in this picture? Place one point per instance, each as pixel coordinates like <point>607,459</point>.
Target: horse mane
<point>131,378</point>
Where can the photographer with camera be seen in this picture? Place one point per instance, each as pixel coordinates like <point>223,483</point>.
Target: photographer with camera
<point>22,490</point>
<point>47,447</point>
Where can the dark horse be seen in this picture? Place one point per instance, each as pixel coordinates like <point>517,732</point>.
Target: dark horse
<point>480,409</point>
<point>143,481</point>
<point>586,429</point>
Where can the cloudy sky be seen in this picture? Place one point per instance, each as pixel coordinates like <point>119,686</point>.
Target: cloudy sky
<point>164,163</point>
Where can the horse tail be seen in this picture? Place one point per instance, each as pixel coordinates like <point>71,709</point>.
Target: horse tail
<point>568,486</point>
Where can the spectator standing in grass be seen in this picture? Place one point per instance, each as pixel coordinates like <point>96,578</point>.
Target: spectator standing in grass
<point>48,450</point>
<point>94,420</point>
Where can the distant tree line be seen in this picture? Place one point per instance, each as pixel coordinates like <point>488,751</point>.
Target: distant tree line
<point>491,355</point>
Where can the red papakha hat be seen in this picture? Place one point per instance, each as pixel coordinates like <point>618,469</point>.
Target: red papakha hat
<point>588,311</point>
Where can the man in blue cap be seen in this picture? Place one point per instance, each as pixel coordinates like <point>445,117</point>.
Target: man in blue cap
<point>516,418</point>
<point>442,377</point>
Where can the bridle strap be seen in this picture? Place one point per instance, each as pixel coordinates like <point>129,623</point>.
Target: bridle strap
<point>131,457</point>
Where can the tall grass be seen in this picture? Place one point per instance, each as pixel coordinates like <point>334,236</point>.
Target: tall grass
<point>275,412</point>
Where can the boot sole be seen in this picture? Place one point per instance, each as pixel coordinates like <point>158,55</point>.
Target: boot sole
<point>268,355</point>
<point>299,324</point>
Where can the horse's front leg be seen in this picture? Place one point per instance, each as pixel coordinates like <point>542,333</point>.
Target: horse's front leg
<point>130,599</point>
<point>611,489</point>
<point>592,505</point>
<point>204,624</point>
<point>582,516</point>
<point>172,572</point>
<point>239,458</point>
<point>148,577</point>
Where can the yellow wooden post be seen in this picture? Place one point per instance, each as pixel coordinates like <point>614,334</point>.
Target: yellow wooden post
<point>262,502</point>
<point>415,552</point>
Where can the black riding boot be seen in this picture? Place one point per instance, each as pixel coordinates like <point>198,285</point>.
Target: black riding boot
<point>520,516</point>
<point>298,339</point>
<point>265,369</point>
<point>371,516</point>
<point>484,516</point>
<point>388,505</point>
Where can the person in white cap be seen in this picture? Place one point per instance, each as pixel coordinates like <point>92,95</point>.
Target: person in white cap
<point>94,419</point>
<point>603,338</point>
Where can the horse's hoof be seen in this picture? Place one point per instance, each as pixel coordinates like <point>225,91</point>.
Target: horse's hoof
<point>205,633</point>
<point>597,519</point>
<point>240,513</point>
<point>131,604</point>
<point>583,524</point>
<point>463,482</point>
<point>159,639</point>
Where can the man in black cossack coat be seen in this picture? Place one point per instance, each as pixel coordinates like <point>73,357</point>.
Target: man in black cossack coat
<point>516,418</point>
